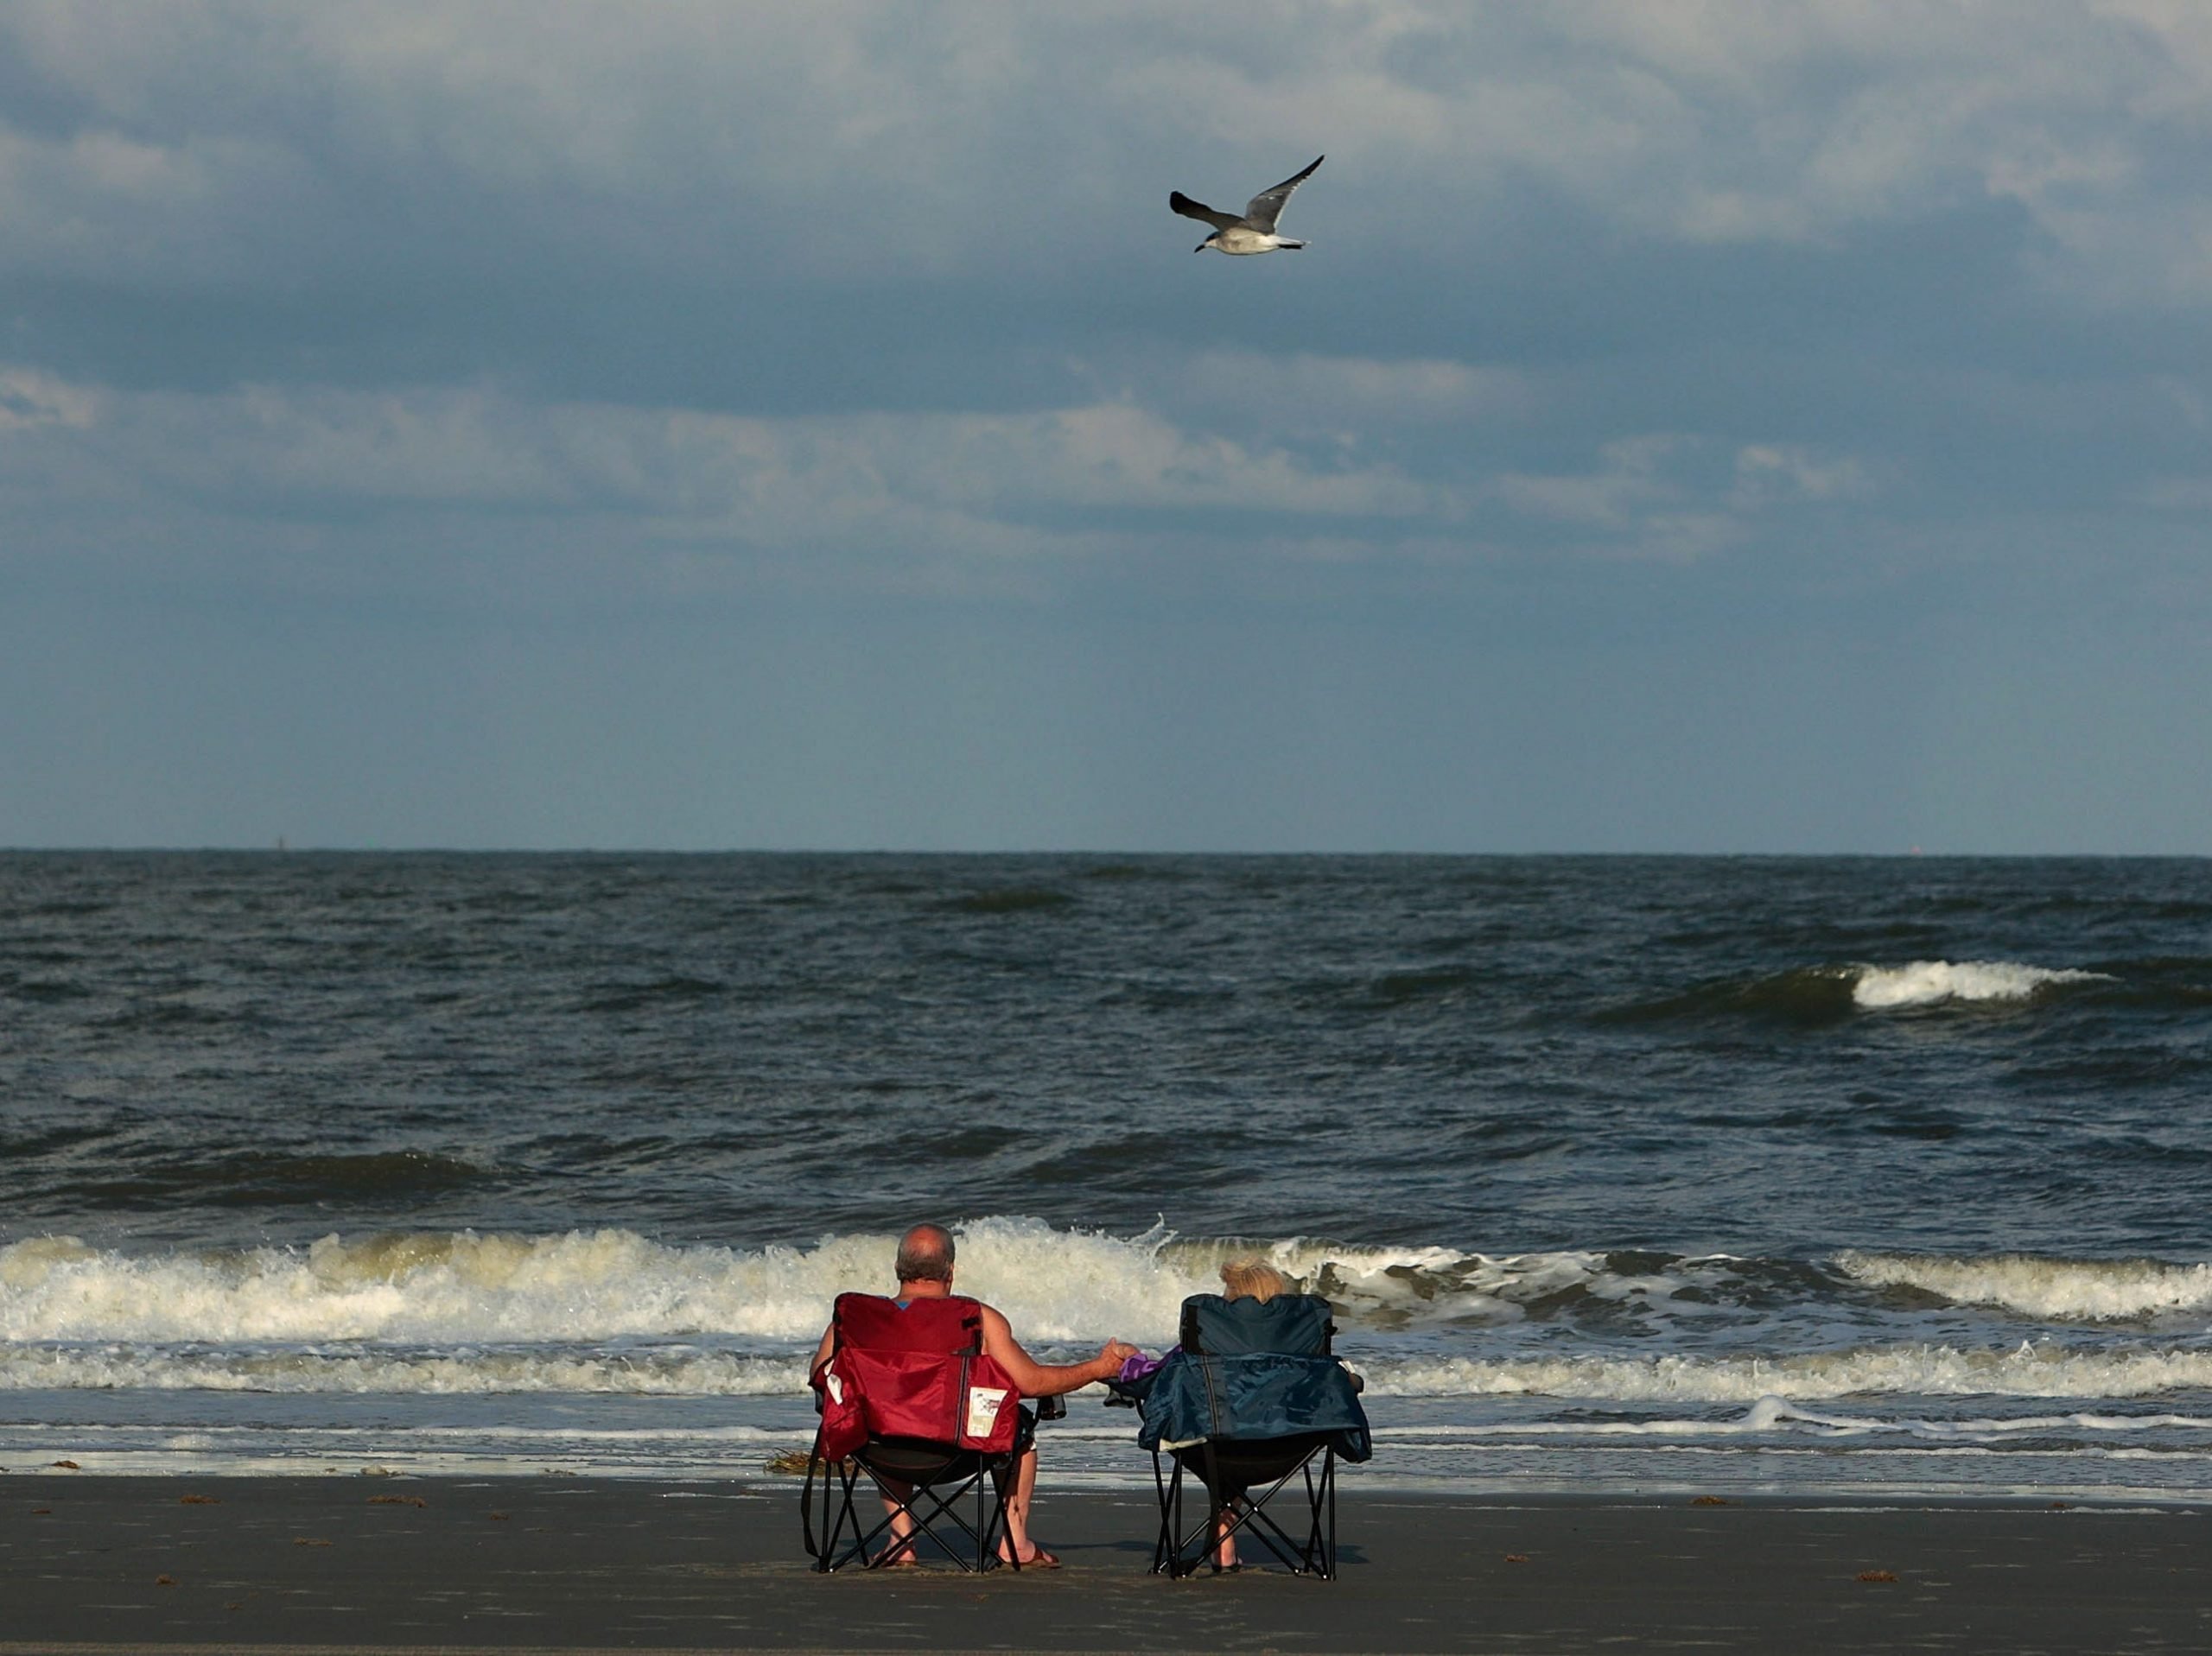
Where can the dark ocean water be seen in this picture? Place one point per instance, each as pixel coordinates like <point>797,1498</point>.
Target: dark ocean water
<point>1777,1171</point>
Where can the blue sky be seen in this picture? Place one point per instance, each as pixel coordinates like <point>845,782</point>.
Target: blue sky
<point>1706,427</point>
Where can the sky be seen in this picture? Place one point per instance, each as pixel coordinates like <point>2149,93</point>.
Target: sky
<point>1709,427</point>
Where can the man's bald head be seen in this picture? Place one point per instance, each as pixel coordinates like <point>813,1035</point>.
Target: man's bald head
<point>925,1254</point>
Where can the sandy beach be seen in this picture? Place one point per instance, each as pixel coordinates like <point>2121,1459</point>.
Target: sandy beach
<point>386,1563</point>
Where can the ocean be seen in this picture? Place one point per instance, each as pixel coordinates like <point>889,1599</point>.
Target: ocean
<point>1621,1173</point>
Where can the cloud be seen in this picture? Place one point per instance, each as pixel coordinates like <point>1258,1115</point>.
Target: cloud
<point>2176,494</point>
<point>1663,497</point>
<point>29,399</point>
<point>1635,280</point>
<point>654,489</point>
<point>1356,389</point>
<point>1774,475</point>
<point>971,485</point>
<point>953,137</point>
<point>1614,497</point>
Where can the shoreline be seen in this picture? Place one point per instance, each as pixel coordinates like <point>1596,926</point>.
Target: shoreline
<point>110,1562</point>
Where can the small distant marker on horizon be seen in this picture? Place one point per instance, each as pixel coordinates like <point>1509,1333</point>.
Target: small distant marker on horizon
<point>1253,232</point>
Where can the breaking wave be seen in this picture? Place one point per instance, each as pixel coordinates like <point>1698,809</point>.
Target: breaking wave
<point>2025,1371</point>
<point>2088,1290</point>
<point>449,1287</point>
<point>1929,983</point>
<point>1677,1381</point>
<point>1817,995</point>
<point>611,1311</point>
<point>1059,1287</point>
<point>658,1372</point>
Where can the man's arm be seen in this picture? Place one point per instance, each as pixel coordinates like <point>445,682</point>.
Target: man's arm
<point>1033,1378</point>
<point>821,1352</point>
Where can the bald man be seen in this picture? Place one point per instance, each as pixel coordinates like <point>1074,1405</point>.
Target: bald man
<point>924,1268</point>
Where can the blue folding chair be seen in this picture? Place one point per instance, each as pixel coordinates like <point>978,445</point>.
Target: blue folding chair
<point>1250,1400</point>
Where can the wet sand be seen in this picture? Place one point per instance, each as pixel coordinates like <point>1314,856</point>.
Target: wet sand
<point>98,1563</point>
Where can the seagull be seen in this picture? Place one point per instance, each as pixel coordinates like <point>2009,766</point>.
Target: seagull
<point>1255,231</point>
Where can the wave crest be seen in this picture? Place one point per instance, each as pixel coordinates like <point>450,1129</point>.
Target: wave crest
<point>1928,983</point>
<point>1813,996</point>
<point>2029,1371</point>
<point>445,1287</point>
<point>2089,1291</point>
<point>1058,1287</point>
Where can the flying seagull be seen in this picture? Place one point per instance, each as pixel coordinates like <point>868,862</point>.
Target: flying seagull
<point>1255,231</point>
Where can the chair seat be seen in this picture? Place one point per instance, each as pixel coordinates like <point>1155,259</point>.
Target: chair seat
<point>1238,1463</point>
<point>917,1460</point>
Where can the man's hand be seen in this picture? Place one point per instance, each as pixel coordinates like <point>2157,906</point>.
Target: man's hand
<point>1114,1353</point>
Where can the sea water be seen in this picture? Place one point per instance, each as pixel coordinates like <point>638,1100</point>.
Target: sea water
<point>1620,1172</point>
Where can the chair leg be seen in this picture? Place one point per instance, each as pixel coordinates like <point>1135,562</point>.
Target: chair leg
<point>943,1506</point>
<point>1316,1556</point>
<point>839,1513</point>
<point>1329,1488</point>
<point>990,1523</point>
<point>1167,1553</point>
<point>927,1509</point>
<point>1180,1550</point>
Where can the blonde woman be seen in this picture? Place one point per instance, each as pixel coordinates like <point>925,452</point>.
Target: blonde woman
<point>1252,1279</point>
<point>1244,1279</point>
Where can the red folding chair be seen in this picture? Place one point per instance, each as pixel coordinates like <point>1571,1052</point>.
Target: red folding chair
<point>909,1400</point>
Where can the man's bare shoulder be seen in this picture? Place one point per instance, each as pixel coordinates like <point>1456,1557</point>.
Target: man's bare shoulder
<point>998,1333</point>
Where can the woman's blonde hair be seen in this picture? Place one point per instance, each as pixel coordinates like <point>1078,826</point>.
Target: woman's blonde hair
<point>1252,1279</point>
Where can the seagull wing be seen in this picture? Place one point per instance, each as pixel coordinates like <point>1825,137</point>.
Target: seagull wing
<point>1267,206</point>
<point>1190,209</point>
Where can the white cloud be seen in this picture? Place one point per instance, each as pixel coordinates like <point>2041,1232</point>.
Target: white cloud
<point>1651,496</point>
<point>1306,384</point>
<point>944,136</point>
<point>990,485</point>
<point>2182,494</point>
<point>1108,479</point>
<point>1774,474</point>
<point>1623,492</point>
<point>29,399</point>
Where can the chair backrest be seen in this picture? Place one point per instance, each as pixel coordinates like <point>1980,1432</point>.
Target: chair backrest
<point>916,1371</point>
<point>945,1325</point>
<point>1294,1325</point>
<point>1254,1370</point>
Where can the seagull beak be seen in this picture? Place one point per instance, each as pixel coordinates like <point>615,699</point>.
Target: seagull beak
<point>1200,248</point>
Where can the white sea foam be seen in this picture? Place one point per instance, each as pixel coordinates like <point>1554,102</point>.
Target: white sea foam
<point>1927,983</point>
<point>1678,1381</point>
<point>2058,1290</point>
<point>1057,1287</point>
<point>162,1368</point>
<point>1774,1415</point>
<point>613,1312</point>
<point>1919,1371</point>
<point>448,1288</point>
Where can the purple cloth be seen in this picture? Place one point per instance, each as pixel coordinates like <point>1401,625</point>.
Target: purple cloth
<point>1138,1366</point>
